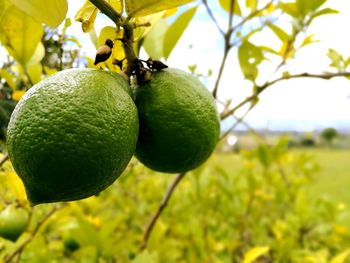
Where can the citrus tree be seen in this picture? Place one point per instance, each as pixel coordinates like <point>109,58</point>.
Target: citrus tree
<point>68,133</point>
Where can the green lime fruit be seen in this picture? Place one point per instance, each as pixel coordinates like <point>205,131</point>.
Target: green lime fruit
<point>72,135</point>
<point>179,123</point>
<point>13,222</point>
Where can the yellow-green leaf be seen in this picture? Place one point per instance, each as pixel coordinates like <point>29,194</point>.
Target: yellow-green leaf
<point>249,57</point>
<point>136,8</point>
<point>20,34</point>
<point>49,71</point>
<point>325,11</point>
<point>35,73</point>
<point>289,8</point>
<point>308,40</point>
<point>117,5</point>
<point>252,4</point>
<point>226,5</point>
<point>107,32</point>
<point>9,78</point>
<point>50,12</point>
<point>4,4</point>
<point>308,6</point>
<point>38,55</point>
<point>175,31</point>
<point>340,258</point>
<point>156,35</point>
<point>254,253</point>
<point>112,33</point>
<point>279,32</point>
<point>18,94</point>
<point>86,15</point>
<point>141,31</point>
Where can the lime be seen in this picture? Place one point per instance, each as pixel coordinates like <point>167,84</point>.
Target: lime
<point>72,135</point>
<point>13,222</point>
<point>179,124</point>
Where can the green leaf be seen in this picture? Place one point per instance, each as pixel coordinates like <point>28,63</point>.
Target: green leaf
<point>308,40</point>
<point>341,258</point>
<point>308,6</point>
<point>35,72</point>
<point>347,62</point>
<point>175,31</point>
<point>156,35</point>
<point>145,257</point>
<point>142,31</point>
<point>254,253</point>
<point>289,8</point>
<point>112,33</point>
<point>86,15</point>
<point>279,32</point>
<point>38,55</point>
<point>336,58</point>
<point>250,56</point>
<point>4,4</point>
<point>21,35</point>
<point>9,78</point>
<point>270,50</point>
<point>251,4</point>
<point>50,12</point>
<point>325,11</point>
<point>136,8</point>
<point>117,5</point>
<point>226,5</point>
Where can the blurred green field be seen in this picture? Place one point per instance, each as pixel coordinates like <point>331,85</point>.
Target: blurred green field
<point>269,199</point>
<point>332,180</point>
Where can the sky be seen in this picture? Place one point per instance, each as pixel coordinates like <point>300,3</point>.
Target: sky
<point>300,104</point>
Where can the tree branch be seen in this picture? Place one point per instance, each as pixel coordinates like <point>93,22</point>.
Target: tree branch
<point>128,36</point>
<point>230,18</point>
<point>250,16</point>
<point>211,15</point>
<point>262,88</point>
<point>21,247</point>
<point>161,207</point>
<point>109,11</point>
<point>222,66</point>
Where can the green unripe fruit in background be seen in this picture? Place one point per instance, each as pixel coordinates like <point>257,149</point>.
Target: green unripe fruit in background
<point>13,222</point>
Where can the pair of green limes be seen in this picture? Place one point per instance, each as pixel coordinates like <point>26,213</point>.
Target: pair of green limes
<point>73,134</point>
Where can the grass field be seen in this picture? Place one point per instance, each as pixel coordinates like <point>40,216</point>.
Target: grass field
<point>332,180</point>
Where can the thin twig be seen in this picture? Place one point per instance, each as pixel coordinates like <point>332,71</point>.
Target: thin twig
<point>211,15</point>
<point>21,247</point>
<point>250,16</point>
<point>262,88</point>
<point>221,70</point>
<point>238,121</point>
<point>230,18</point>
<point>161,207</point>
